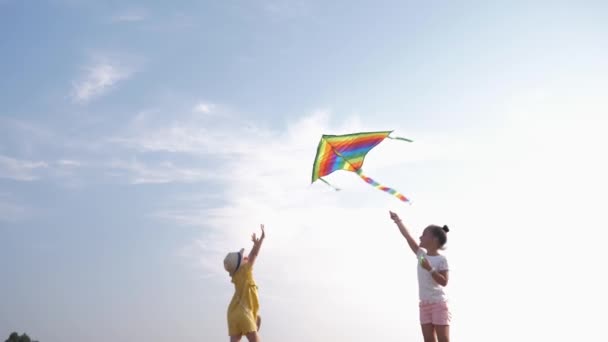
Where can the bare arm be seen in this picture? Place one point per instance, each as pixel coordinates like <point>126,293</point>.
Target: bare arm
<point>257,244</point>
<point>441,277</point>
<point>410,240</point>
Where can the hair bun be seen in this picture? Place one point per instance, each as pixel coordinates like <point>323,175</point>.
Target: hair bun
<point>445,228</point>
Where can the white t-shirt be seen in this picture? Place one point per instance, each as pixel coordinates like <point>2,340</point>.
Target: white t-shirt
<point>428,289</point>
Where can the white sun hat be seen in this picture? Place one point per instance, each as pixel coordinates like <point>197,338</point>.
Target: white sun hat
<point>233,260</point>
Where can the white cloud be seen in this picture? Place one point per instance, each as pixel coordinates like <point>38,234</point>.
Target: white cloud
<point>98,78</point>
<point>268,180</point>
<point>203,107</point>
<point>22,170</point>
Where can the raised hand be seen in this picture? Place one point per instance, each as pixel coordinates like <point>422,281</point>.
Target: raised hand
<point>257,244</point>
<point>408,237</point>
<point>258,240</point>
<point>394,216</point>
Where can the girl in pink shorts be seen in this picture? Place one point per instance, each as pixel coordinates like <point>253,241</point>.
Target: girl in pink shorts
<point>432,278</point>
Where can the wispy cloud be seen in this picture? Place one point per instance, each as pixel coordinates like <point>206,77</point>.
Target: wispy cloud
<point>178,137</point>
<point>28,170</point>
<point>165,172</point>
<point>99,78</point>
<point>129,16</point>
<point>69,163</point>
<point>21,170</point>
<point>189,133</point>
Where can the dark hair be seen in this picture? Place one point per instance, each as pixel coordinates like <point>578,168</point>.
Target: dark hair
<point>440,233</point>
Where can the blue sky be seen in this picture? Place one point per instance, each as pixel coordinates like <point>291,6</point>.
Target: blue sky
<point>141,142</point>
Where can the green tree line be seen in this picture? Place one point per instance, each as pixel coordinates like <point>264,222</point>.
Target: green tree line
<point>15,337</point>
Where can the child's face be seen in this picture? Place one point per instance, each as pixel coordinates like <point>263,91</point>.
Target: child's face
<point>426,239</point>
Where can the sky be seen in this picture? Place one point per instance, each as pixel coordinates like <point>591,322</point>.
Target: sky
<point>140,142</point>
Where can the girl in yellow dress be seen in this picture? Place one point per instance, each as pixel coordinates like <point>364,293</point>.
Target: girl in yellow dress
<point>243,316</point>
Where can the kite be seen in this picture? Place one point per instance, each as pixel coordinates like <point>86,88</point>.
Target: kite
<point>347,152</point>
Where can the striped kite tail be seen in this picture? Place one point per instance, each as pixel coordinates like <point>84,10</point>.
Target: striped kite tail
<point>379,186</point>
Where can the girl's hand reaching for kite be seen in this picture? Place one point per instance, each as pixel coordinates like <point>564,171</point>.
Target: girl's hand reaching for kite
<point>258,240</point>
<point>408,237</point>
<point>257,243</point>
<point>394,216</point>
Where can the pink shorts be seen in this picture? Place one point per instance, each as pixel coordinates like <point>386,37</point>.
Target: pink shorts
<point>436,313</point>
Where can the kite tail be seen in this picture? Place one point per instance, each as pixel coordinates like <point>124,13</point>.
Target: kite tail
<point>382,187</point>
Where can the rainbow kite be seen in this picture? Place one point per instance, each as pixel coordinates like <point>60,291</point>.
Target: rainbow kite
<point>347,152</point>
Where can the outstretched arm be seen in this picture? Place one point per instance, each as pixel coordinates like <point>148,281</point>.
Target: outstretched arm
<point>257,244</point>
<point>410,240</point>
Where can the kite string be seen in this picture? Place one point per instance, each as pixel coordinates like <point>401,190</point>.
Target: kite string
<point>399,138</point>
<point>331,186</point>
<point>381,187</point>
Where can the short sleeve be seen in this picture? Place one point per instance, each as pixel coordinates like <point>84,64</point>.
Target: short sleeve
<point>443,264</point>
<point>243,269</point>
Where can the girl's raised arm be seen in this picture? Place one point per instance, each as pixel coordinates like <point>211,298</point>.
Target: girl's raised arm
<point>410,240</point>
<point>257,244</point>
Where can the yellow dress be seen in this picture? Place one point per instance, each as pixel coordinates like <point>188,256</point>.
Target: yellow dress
<point>244,306</point>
